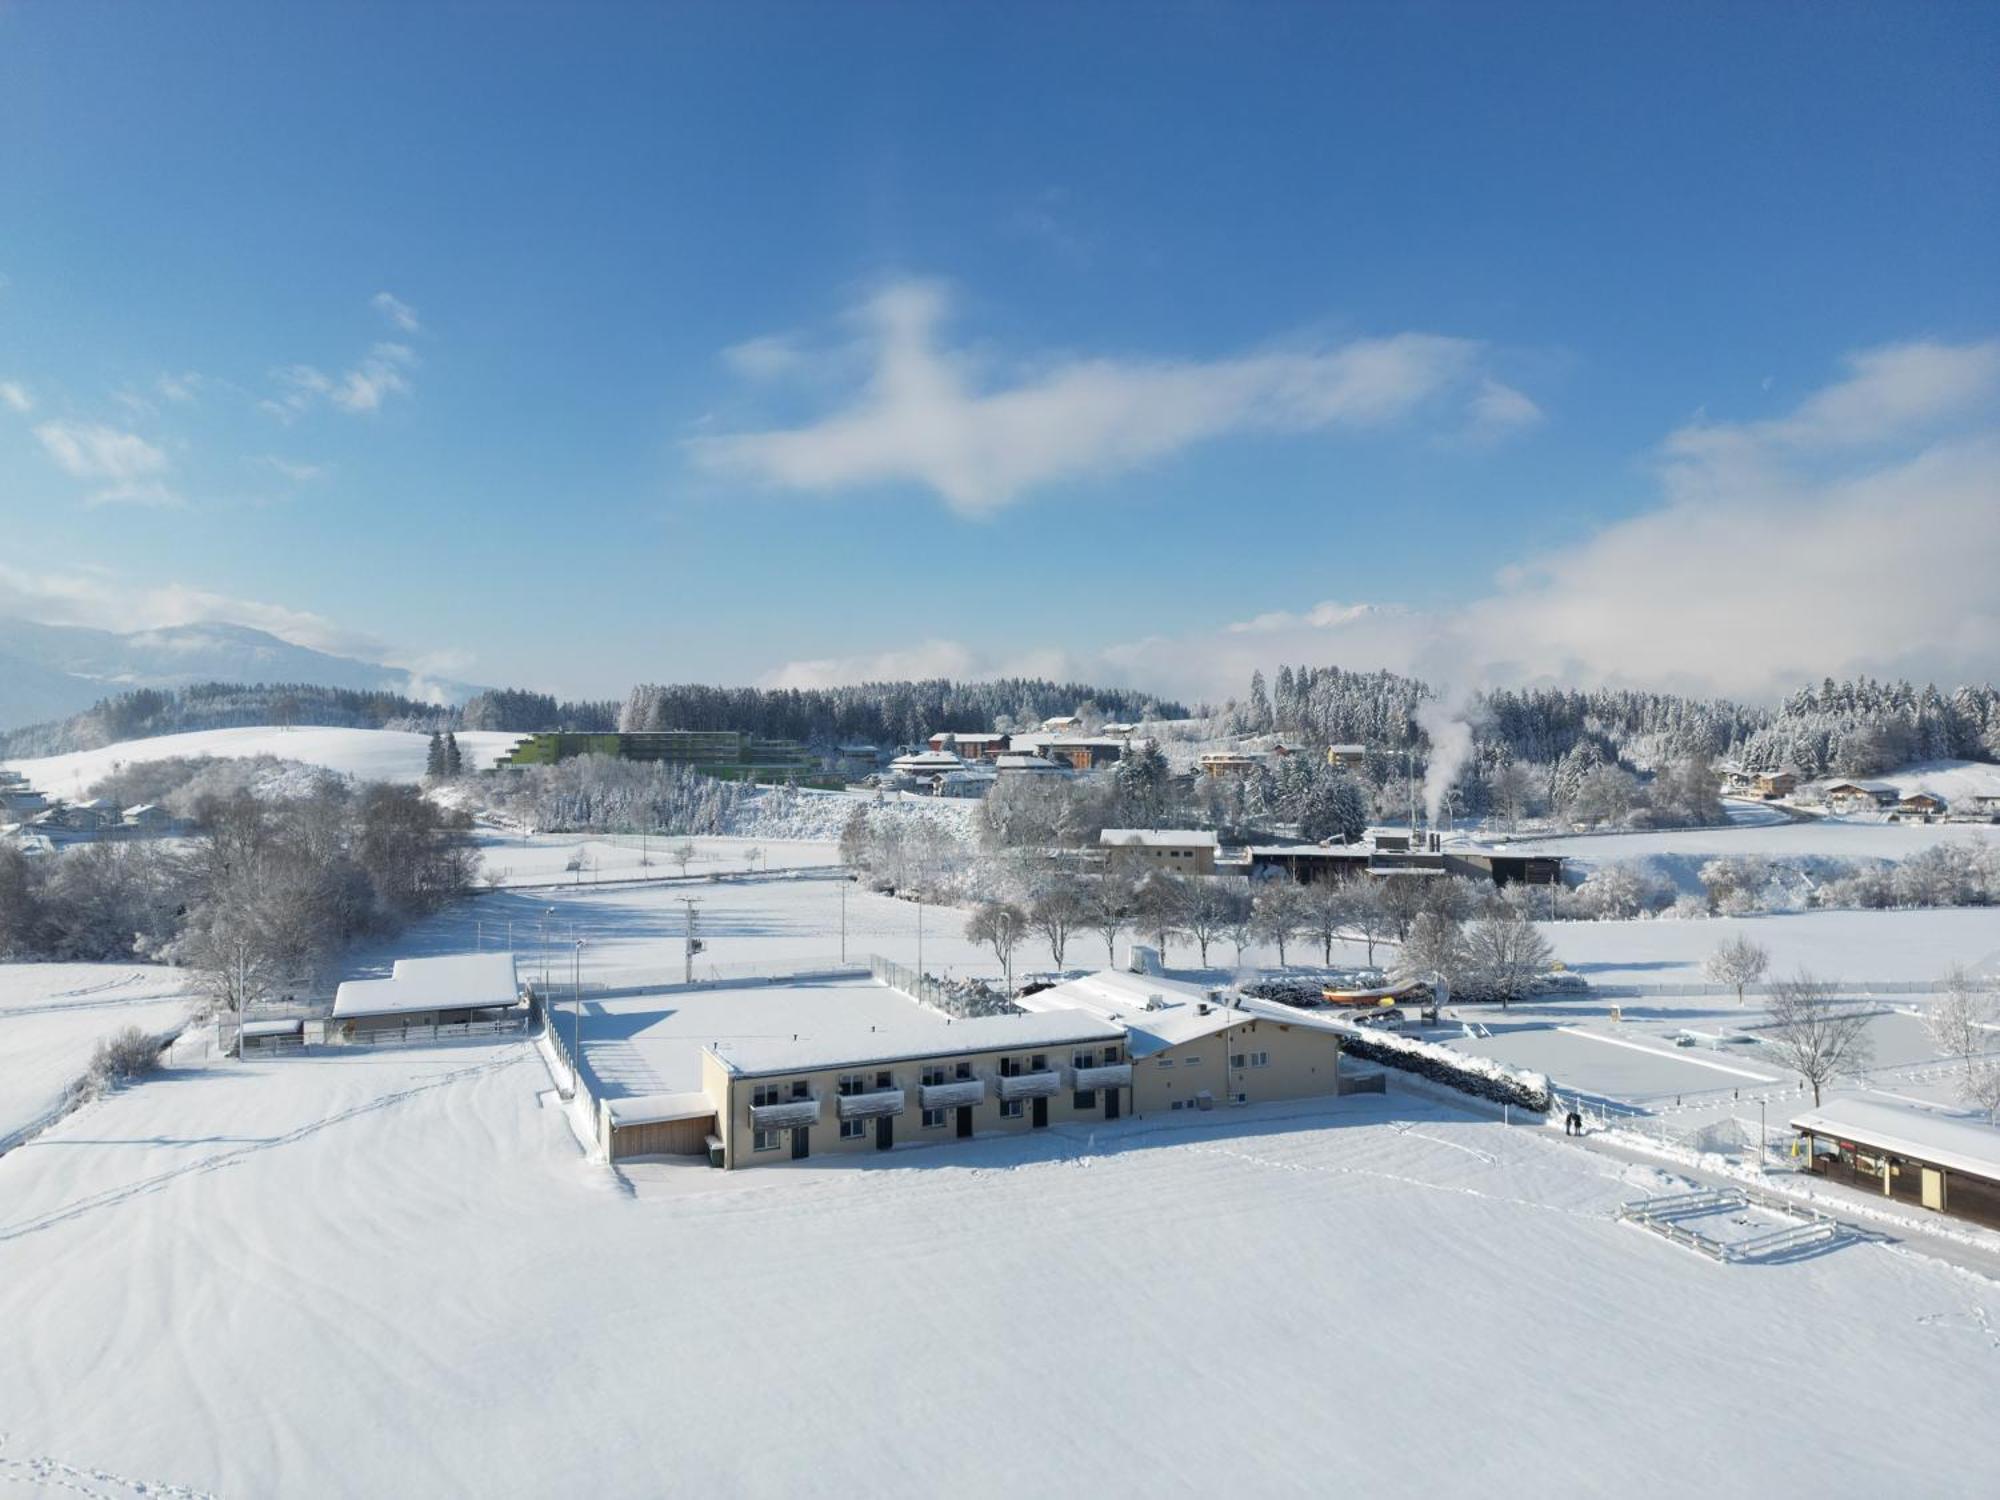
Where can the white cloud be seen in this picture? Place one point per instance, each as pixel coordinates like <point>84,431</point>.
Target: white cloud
<point>1498,410</point>
<point>384,373</point>
<point>109,601</point>
<point>923,417</point>
<point>182,387</point>
<point>771,357</point>
<point>298,473</point>
<point>128,469</point>
<point>1781,551</point>
<point>14,396</point>
<point>401,316</point>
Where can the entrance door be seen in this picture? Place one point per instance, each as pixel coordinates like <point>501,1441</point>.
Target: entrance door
<point>1934,1189</point>
<point>1041,1111</point>
<point>801,1142</point>
<point>1111,1103</point>
<point>964,1121</point>
<point>885,1132</point>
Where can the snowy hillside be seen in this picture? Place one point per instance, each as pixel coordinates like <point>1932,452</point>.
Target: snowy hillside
<point>1956,781</point>
<point>366,754</point>
<point>51,671</point>
<point>52,1017</point>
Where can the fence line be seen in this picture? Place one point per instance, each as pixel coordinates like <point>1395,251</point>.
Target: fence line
<point>1859,989</point>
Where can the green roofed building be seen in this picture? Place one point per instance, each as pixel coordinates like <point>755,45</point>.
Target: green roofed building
<point>723,753</point>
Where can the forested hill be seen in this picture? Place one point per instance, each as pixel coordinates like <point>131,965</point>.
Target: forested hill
<point>883,713</point>
<point>1852,728</point>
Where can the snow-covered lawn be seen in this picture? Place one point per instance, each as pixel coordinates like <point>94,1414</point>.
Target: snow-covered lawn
<point>366,754</point>
<point>52,1017</point>
<point>373,1275</point>
<point>1845,945</point>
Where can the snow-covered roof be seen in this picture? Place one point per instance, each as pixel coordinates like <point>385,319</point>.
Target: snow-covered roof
<point>1025,763</point>
<point>756,1058</point>
<point>1346,749</point>
<point>1872,788</point>
<point>1961,1145</point>
<point>143,807</point>
<point>968,739</point>
<point>453,982</point>
<point>1156,838</point>
<point>658,1109</point>
<point>927,760</point>
<point>1156,1013</point>
<point>1311,851</point>
<point>273,1028</point>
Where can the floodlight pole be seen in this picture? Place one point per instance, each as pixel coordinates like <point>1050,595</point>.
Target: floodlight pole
<point>689,905</point>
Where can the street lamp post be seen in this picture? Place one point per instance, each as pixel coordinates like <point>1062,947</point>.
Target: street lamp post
<point>843,919</point>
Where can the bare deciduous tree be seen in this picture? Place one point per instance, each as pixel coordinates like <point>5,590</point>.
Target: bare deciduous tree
<point>1057,909</point>
<point>1278,913</point>
<point>1505,955</point>
<point>1961,1015</point>
<point>683,855</point>
<point>1737,962</point>
<point>999,925</point>
<point>1817,1035</point>
<point>1107,902</point>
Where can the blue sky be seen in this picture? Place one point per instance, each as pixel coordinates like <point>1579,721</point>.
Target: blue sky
<point>573,346</point>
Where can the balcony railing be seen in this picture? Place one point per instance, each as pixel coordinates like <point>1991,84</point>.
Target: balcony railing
<point>869,1106</point>
<point>1109,1076</point>
<point>954,1095</point>
<point>1040,1085</point>
<point>789,1115</point>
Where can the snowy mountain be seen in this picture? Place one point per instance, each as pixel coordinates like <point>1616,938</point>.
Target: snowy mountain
<point>52,671</point>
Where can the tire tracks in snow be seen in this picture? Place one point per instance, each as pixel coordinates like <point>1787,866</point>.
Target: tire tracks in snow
<point>110,1197</point>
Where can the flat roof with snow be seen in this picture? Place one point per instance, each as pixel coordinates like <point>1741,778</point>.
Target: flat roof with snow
<point>658,1109</point>
<point>1155,1013</point>
<point>1961,1145</point>
<point>756,1057</point>
<point>455,982</point>
<point>1157,838</point>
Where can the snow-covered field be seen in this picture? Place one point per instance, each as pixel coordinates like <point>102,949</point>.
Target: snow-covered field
<point>52,1017</point>
<point>396,1274</point>
<point>1841,837</point>
<point>366,754</point>
<point>1843,945</point>
<point>545,858</point>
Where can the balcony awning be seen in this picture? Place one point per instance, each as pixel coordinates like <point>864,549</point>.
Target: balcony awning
<point>954,1095</point>
<point>1110,1076</point>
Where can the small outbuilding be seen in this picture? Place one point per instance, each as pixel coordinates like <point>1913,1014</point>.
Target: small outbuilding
<point>1948,1165</point>
<point>452,990</point>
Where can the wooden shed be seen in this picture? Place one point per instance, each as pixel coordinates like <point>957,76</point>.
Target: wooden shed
<point>657,1125</point>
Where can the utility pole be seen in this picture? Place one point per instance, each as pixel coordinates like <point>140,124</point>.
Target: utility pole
<point>576,1019</point>
<point>920,937</point>
<point>1762,1147</point>
<point>691,905</point>
<point>843,920</point>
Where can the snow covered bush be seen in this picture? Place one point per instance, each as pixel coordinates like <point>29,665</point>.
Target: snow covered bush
<point>122,1057</point>
<point>1477,1076</point>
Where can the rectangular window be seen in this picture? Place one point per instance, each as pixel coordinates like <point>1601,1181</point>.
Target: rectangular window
<point>934,1119</point>
<point>801,1088</point>
<point>1010,1067</point>
<point>1176,1104</point>
<point>1111,1055</point>
<point>1041,1062</point>
<point>884,1081</point>
<point>1083,1059</point>
<point>852,1083</point>
<point>1239,1060</point>
<point>764,1140</point>
<point>963,1072</point>
<point>853,1130</point>
<point>765,1093</point>
<point>1193,1062</point>
<point>1010,1109</point>
<point>1085,1099</point>
<point>1260,1059</point>
<point>934,1075</point>
<point>1166,1062</point>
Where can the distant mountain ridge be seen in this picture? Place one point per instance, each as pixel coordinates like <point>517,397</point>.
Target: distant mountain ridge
<point>53,671</point>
